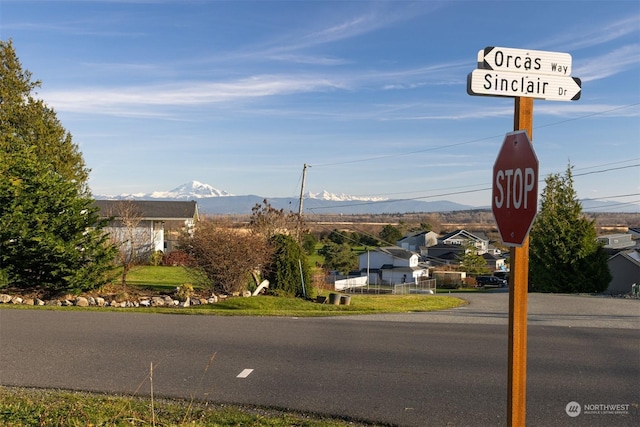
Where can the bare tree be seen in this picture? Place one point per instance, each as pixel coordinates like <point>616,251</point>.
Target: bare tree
<point>127,233</point>
<point>226,256</point>
<point>268,221</point>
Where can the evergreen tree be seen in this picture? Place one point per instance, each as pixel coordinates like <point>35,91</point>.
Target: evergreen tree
<point>50,235</point>
<point>26,122</point>
<point>390,234</point>
<point>338,257</point>
<point>564,254</point>
<point>473,263</point>
<point>284,273</point>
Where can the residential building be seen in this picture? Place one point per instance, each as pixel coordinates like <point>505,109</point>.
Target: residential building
<point>392,265</point>
<point>152,225</point>
<point>625,271</point>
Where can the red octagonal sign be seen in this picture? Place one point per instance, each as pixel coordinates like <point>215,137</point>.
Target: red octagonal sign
<point>514,197</point>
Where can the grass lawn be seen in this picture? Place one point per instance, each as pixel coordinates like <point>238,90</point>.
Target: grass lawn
<point>150,275</point>
<point>39,407</point>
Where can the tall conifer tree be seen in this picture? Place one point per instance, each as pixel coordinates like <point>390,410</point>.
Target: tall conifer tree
<point>50,233</point>
<point>565,255</point>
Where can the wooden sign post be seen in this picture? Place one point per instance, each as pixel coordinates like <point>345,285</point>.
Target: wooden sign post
<point>523,75</point>
<point>518,294</point>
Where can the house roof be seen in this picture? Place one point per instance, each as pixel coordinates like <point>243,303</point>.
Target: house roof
<point>633,256</point>
<point>397,252</point>
<point>416,234</point>
<point>466,234</point>
<point>150,209</point>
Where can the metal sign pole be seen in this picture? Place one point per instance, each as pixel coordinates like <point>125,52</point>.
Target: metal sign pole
<point>518,288</point>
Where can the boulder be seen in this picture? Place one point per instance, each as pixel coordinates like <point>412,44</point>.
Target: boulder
<point>82,302</point>
<point>4,298</point>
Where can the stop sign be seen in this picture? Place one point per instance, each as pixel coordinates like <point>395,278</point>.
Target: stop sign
<point>514,196</point>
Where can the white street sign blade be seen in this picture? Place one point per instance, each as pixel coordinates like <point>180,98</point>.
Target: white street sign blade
<point>503,83</point>
<point>525,61</point>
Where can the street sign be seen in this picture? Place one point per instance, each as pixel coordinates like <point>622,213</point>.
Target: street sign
<point>514,196</point>
<point>506,83</point>
<point>525,61</point>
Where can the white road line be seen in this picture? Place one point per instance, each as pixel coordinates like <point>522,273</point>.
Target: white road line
<point>245,373</point>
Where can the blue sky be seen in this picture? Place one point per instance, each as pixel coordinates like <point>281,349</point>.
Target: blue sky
<point>240,95</point>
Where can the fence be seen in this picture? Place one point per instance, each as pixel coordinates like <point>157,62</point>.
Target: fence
<point>422,286</point>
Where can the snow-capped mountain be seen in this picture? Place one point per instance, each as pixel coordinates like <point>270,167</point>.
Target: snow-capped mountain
<point>189,191</point>
<point>325,195</point>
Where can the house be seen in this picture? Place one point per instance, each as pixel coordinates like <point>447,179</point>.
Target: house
<point>415,241</point>
<point>451,247</point>
<point>464,237</point>
<point>635,232</point>
<point>153,225</point>
<point>442,254</point>
<point>392,265</point>
<point>616,241</point>
<point>625,271</point>
<point>494,262</point>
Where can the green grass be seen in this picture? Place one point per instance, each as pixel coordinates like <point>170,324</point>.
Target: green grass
<point>38,407</point>
<point>163,276</point>
<point>297,307</point>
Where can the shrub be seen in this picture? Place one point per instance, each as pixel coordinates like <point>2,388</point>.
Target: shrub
<point>176,258</point>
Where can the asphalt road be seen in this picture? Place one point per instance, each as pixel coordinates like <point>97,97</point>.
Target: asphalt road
<point>420,369</point>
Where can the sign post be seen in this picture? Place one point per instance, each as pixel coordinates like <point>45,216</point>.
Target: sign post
<point>524,75</point>
<point>518,300</point>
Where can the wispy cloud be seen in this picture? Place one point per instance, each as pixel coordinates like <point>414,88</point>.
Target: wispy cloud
<point>609,64</point>
<point>316,34</point>
<point>599,34</point>
<point>108,100</point>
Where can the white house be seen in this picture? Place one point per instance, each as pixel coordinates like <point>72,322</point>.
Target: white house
<point>464,237</point>
<point>152,225</point>
<point>392,265</point>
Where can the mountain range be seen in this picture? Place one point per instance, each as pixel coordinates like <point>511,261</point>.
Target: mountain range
<point>213,201</point>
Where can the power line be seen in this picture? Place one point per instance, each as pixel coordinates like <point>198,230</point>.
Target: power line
<point>441,147</point>
<point>365,203</point>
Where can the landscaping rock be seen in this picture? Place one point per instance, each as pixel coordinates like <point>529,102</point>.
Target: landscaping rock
<point>157,302</point>
<point>4,298</point>
<point>82,302</point>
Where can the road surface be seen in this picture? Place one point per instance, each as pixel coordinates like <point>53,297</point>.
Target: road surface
<point>444,368</point>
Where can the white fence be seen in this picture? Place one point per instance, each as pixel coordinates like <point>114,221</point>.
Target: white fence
<point>360,285</point>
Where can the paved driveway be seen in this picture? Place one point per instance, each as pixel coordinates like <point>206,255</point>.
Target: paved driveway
<point>544,310</point>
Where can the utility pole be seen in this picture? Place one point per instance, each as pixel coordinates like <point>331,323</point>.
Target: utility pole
<point>304,178</point>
